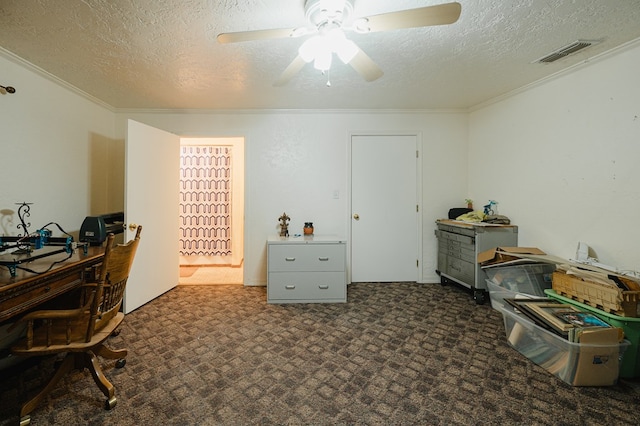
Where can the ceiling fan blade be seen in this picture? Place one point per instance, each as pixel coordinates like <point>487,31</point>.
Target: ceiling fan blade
<point>365,66</point>
<point>255,35</point>
<point>421,17</point>
<point>294,68</point>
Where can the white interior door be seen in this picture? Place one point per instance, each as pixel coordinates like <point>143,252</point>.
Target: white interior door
<point>384,201</point>
<point>152,184</point>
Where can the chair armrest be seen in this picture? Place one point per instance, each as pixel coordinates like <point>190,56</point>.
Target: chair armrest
<point>46,315</point>
<point>51,314</point>
<point>51,317</point>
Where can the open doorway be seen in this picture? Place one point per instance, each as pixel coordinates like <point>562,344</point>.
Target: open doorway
<point>211,231</point>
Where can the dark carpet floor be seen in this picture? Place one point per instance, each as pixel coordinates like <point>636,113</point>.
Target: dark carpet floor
<point>395,354</point>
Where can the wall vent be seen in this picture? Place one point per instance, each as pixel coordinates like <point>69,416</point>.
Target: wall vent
<point>566,50</point>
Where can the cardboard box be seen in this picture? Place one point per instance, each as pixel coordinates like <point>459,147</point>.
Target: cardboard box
<point>507,254</point>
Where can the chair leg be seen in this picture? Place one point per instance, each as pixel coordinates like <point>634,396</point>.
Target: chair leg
<point>93,365</point>
<point>109,353</point>
<point>66,366</point>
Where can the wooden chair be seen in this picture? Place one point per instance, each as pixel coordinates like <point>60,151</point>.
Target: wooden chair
<point>81,332</point>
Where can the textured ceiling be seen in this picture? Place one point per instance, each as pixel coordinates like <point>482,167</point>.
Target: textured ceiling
<point>164,53</point>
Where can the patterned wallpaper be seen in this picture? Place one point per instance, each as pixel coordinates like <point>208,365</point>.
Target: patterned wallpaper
<point>205,201</point>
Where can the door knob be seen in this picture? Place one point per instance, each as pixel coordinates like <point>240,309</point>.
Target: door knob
<point>133,226</point>
<point>356,216</point>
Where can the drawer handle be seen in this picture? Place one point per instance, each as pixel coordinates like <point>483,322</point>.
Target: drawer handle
<point>289,259</point>
<point>323,287</point>
<point>290,287</point>
<point>323,259</point>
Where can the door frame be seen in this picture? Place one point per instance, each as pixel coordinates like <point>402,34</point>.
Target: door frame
<point>419,227</point>
<point>237,175</point>
<point>247,232</point>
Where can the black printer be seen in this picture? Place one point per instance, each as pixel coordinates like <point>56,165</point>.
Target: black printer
<point>94,229</point>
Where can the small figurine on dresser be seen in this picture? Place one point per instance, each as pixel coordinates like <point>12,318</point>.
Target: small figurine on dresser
<point>284,225</point>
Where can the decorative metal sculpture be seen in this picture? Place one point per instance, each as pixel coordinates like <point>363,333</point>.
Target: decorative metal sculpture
<point>24,211</point>
<point>284,225</point>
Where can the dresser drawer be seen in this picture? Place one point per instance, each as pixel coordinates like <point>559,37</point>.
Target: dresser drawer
<point>306,286</point>
<point>462,270</point>
<point>450,236</point>
<point>458,250</point>
<point>29,296</point>
<point>306,257</point>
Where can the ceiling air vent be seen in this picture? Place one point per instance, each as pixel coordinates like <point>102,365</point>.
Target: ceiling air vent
<point>567,50</point>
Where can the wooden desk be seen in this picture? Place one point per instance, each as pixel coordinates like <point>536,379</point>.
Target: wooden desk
<point>27,290</point>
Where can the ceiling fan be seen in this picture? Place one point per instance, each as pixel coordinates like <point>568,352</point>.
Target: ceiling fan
<point>328,21</point>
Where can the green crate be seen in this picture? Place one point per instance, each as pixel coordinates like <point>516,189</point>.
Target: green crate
<point>630,367</point>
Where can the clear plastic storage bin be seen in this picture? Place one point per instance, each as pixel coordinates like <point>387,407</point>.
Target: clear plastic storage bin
<point>630,368</point>
<point>497,294</point>
<point>577,364</point>
<point>518,281</point>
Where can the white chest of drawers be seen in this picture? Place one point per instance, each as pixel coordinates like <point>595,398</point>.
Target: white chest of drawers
<point>306,269</point>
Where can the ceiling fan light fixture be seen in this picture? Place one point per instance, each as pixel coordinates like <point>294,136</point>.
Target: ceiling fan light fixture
<point>310,48</point>
<point>317,50</point>
<point>343,47</point>
<point>323,60</point>
<point>328,19</point>
<point>320,49</point>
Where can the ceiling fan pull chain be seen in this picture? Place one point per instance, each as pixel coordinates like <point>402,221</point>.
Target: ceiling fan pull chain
<point>329,78</point>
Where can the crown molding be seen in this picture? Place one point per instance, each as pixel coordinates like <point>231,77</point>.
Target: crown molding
<point>52,78</point>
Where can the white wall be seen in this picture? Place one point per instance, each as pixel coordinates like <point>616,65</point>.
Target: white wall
<point>63,152</point>
<point>296,160</point>
<point>50,140</point>
<point>563,160</point>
